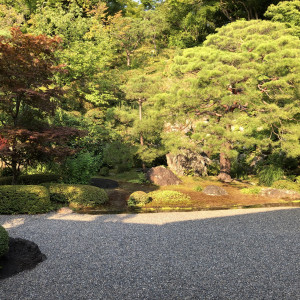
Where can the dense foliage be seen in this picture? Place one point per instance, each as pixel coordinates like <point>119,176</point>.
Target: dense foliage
<point>24,199</point>
<point>4,240</point>
<point>77,196</point>
<point>92,85</point>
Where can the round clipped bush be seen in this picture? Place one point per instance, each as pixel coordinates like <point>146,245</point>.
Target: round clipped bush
<point>168,197</point>
<point>24,199</point>
<point>138,198</point>
<point>4,239</point>
<point>77,195</point>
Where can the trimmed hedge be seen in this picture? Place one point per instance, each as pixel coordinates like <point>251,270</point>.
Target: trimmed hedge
<point>4,239</point>
<point>31,179</point>
<point>24,199</point>
<point>77,195</point>
<point>138,198</point>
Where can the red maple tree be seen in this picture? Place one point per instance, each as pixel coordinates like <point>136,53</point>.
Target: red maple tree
<point>28,96</point>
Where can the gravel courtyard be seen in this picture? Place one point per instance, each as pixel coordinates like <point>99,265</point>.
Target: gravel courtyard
<point>229,254</point>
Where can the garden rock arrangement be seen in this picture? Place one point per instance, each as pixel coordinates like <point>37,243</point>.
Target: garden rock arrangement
<point>162,176</point>
<point>22,255</point>
<point>214,190</point>
<point>280,194</point>
<point>188,162</point>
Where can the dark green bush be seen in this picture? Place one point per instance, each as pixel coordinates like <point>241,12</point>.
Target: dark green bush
<point>138,199</point>
<point>24,199</point>
<point>31,179</point>
<point>81,168</point>
<point>4,239</point>
<point>104,171</point>
<point>77,195</point>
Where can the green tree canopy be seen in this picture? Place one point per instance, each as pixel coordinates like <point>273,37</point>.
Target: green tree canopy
<point>241,89</point>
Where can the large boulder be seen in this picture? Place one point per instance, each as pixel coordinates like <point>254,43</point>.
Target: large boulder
<point>280,194</point>
<point>214,190</point>
<point>188,162</point>
<point>162,176</point>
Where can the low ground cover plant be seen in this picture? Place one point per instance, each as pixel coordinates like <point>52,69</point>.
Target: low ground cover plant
<point>24,199</point>
<point>198,188</point>
<point>4,239</point>
<point>77,195</point>
<point>168,197</point>
<point>286,185</point>
<point>251,191</point>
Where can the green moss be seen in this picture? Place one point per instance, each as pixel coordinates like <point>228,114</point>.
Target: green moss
<point>166,197</point>
<point>24,199</point>
<point>286,185</point>
<point>198,188</point>
<point>77,195</point>
<point>251,191</point>
<point>4,239</point>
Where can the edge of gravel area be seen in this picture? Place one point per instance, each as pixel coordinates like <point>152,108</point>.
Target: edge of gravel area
<point>185,209</point>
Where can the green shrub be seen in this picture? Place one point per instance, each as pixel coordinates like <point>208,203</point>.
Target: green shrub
<point>81,168</point>
<point>198,188</point>
<point>6,180</point>
<point>139,199</point>
<point>168,197</point>
<point>251,191</point>
<point>6,172</point>
<point>77,195</point>
<point>119,155</point>
<point>268,174</point>
<point>33,179</point>
<point>24,199</point>
<point>4,239</point>
<point>240,168</point>
<point>142,178</point>
<point>104,171</point>
<point>286,185</point>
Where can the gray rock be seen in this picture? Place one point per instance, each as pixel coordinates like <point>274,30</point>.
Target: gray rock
<point>188,162</point>
<point>214,190</point>
<point>280,194</point>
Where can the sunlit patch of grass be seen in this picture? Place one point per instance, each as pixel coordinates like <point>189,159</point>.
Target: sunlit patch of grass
<point>251,191</point>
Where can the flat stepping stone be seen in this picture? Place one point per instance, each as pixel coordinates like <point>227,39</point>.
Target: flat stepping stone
<point>104,183</point>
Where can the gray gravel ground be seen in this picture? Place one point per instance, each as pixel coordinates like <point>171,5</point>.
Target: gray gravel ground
<point>235,254</point>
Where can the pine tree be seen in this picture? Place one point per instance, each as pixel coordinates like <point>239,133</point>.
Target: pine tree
<point>242,90</point>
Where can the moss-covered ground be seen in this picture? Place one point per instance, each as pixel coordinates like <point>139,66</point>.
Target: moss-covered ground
<point>241,194</point>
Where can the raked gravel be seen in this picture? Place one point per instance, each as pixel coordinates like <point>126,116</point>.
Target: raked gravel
<point>229,254</point>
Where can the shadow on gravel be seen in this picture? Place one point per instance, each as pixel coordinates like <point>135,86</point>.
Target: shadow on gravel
<point>22,255</point>
<point>201,255</point>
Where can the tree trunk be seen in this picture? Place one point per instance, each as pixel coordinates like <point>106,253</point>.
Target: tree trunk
<point>225,167</point>
<point>225,164</point>
<point>141,134</point>
<point>128,59</point>
<point>15,171</point>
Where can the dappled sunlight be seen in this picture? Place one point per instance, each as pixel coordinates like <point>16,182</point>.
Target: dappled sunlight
<point>13,223</point>
<point>73,217</point>
<point>166,218</point>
